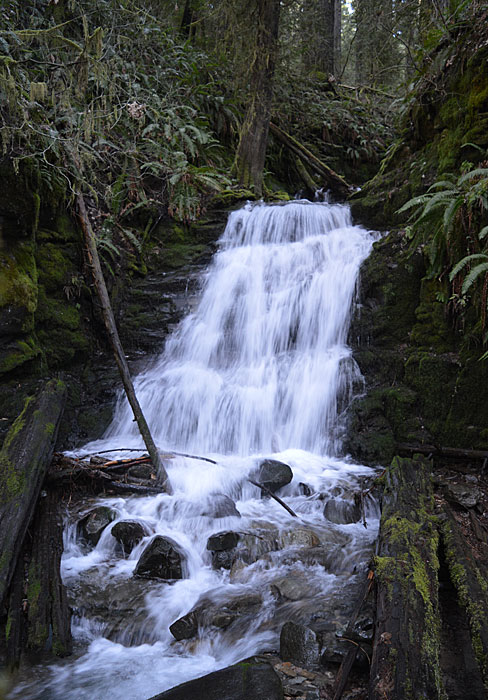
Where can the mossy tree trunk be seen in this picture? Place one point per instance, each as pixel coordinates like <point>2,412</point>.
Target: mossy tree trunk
<point>251,151</point>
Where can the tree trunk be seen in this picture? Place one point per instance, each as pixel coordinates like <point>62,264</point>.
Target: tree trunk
<point>251,151</point>
<point>24,458</point>
<point>118,351</point>
<point>406,649</point>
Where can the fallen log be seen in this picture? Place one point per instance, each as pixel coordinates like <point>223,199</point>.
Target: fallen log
<point>117,348</point>
<point>334,181</point>
<point>406,646</point>
<point>469,577</point>
<point>24,459</point>
<point>449,452</point>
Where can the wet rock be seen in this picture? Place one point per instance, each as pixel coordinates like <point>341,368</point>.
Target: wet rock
<point>223,560</point>
<point>299,537</point>
<point>299,644</point>
<point>274,475</point>
<point>294,586</point>
<point>161,558</point>
<point>215,613</point>
<point>128,533</point>
<point>185,627</point>
<point>220,506</point>
<point>222,541</point>
<point>92,525</point>
<point>466,495</point>
<point>305,489</point>
<point>342,512</point>
<point>251,678</point>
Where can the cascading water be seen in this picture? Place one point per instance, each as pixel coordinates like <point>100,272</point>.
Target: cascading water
<point>260,369</point>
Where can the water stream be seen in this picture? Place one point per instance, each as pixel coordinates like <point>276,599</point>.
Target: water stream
<point>261,369</point>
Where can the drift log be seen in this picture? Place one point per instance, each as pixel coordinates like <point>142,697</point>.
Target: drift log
<point>24,459</point>
<point>336,183</point>
<point>117,348</point>
<point>406,648</point>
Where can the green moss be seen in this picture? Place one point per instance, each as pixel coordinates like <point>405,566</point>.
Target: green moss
<point>18,278</point>
<point>54,266</point>
<point>20,352</point>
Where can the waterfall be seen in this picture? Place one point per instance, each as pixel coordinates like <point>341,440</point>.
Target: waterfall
<point>260,369</point>
<point>263,361</point>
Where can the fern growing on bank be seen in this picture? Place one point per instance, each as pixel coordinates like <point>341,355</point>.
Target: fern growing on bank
<point>449,224</point>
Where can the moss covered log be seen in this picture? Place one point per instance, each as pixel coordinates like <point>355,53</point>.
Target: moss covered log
<point>470,580</point>
<point>405,662</point>
<point>24,458</point>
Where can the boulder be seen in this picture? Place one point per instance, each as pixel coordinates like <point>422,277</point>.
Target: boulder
<point>162,558</point>
<point>222,541</point>
<point>128,533</point>
<point>93,524</point>
<point>251,678</point>
<point>300,645</point>
<point>274,475</point>
<point>220,506</point>
<point>341,512</point>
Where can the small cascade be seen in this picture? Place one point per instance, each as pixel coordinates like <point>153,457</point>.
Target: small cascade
<point>258,377</point>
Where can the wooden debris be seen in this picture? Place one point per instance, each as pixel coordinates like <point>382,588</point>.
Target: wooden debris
<point>334,181</point>
<point>117,348</point>
<point>273,495</point>
<point>348,661</point>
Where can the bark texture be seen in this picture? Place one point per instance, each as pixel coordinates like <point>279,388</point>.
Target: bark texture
<point>251,151</point>
<point>405,662</point>
<point>24,458</point>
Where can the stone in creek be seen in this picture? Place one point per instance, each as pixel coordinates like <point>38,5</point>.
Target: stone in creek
<point>299,537</point>
<point>251,678</point>
<point>161,558</point>
<point>128,533</point>
<point>93,524</point>
<point>274,475</point>
<point>215,613</point>
<point>341,512</point>
<point>300,645</point>
<point>185,627</point>
<point>295,586</point>
<point>220,506</point>
<point>222,541</point>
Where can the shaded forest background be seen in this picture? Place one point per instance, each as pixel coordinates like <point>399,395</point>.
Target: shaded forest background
<point>145,108</point>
